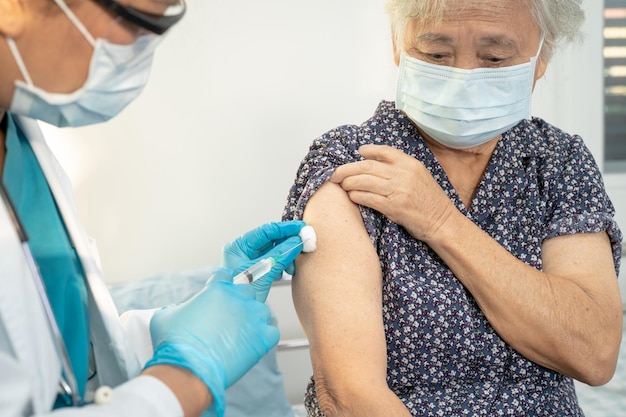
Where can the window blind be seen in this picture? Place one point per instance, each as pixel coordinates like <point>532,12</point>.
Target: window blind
<point>615,85</point>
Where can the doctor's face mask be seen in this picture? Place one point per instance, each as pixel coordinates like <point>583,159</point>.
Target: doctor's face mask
<point>462,108</point>
<point>117,75</point>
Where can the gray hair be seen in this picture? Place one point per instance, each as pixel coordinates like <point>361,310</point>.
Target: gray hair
<point>558,20</point>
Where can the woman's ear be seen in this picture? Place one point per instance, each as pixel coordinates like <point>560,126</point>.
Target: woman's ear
<point>545,54</point>
<point>394,43</point>
<point>12,17</point>
<point>540,70</point>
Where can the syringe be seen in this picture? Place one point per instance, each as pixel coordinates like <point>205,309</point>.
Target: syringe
<point>261,268</point>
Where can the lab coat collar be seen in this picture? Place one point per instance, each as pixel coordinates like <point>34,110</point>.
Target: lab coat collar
<point>116,363</point>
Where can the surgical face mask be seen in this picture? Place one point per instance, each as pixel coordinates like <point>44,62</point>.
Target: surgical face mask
<point>462,108</point>
<point>117,74</point>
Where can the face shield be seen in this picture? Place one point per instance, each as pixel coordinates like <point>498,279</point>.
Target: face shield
<point>155,16</point>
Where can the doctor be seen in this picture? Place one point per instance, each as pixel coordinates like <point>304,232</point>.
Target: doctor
<point>63,350</point>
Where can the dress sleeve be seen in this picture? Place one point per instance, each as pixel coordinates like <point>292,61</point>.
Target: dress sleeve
<point>335,148</point>
<point>579,202</point>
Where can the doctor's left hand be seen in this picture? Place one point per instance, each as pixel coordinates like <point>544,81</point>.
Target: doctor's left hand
<point>219,334</point>
<point>268,240</point>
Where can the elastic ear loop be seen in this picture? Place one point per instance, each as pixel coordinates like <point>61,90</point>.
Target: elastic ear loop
<point>18,60</point>
<point>70,15</point>
<point>541,41</point>
<point>81,28</point>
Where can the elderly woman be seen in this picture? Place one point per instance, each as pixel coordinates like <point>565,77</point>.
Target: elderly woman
<point>467,253</point>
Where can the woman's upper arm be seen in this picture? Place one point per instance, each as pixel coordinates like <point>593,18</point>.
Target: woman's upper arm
<point>337,292</point>
<point>586,260</point>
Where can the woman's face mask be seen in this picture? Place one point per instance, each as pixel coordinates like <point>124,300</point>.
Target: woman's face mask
<point>462,108</point>
<point>117,75</point>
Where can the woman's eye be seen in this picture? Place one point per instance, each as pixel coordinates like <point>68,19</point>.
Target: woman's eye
<point>494,59</point>
<point>435,57</point>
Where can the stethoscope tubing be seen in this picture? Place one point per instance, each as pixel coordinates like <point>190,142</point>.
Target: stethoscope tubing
<point>68,383</point>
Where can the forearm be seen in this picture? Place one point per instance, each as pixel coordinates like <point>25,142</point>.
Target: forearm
<point>192,394</point>
<point>551,319</point>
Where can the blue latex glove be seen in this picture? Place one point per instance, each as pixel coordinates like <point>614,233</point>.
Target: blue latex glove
<point>271,239</point>
<point>219,334</point>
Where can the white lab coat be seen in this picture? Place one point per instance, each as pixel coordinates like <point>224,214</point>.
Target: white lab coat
<point>29,366</point>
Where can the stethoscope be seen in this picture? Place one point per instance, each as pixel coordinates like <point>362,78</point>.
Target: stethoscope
<point>68,387</point>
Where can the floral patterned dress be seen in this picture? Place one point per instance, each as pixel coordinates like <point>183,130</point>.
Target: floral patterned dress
<point>444,358</point>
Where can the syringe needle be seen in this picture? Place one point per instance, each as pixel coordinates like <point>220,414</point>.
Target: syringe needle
<point>289,250</point>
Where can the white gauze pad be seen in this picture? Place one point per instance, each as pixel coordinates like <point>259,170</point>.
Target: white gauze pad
<point>307,234</point>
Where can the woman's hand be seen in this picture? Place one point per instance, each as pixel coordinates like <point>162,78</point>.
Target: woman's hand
<point>398,186</point>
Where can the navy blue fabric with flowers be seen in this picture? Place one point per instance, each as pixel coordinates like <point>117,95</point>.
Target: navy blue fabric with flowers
<point>444,358</point>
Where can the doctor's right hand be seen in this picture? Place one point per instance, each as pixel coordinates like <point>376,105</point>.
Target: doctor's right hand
<point>269,240</point>
<point>219,334</point>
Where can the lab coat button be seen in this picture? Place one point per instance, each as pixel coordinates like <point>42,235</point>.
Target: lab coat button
<point>103,395</point>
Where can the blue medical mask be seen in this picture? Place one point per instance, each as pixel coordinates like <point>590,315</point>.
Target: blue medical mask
<point>462,108</point>
<point>117,75</point>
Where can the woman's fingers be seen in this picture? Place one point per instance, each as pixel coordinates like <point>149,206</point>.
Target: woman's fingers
<point>379,162</point>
